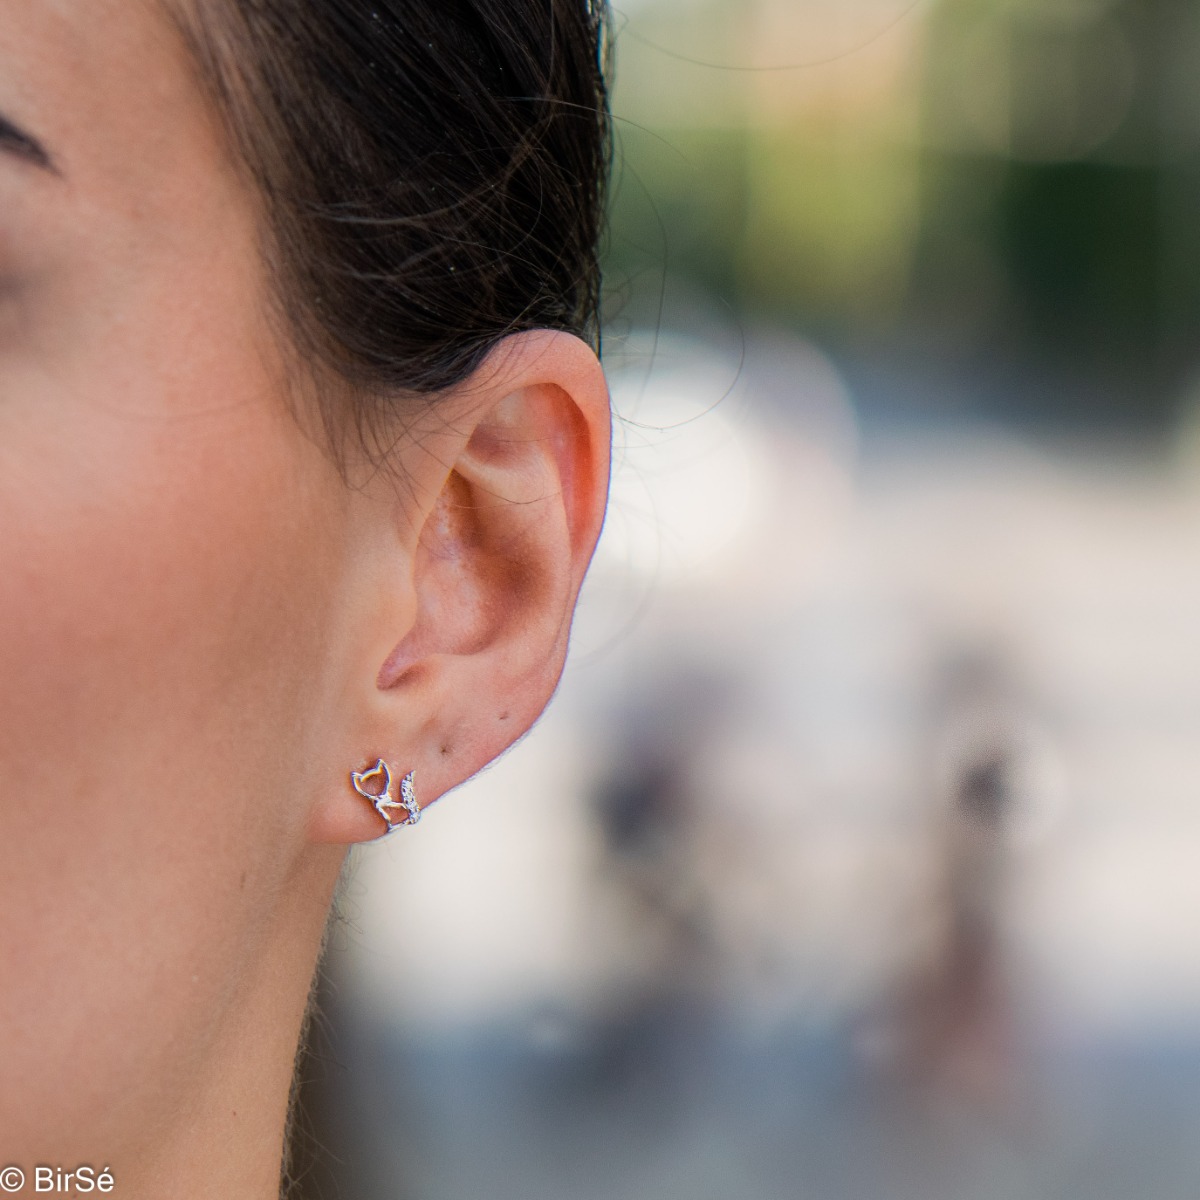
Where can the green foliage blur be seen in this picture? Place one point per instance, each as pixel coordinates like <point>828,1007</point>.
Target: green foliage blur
<point>997,186</point>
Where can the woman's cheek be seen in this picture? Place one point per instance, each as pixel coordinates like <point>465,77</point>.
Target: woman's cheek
<point>157,635</point>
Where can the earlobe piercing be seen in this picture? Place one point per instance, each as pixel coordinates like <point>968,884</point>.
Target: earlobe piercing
<point>381,798</point>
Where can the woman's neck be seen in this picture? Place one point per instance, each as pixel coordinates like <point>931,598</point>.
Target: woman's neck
<point>227,1139</point>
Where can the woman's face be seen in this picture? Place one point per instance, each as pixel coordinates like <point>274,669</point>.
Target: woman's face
<point>172,547</point>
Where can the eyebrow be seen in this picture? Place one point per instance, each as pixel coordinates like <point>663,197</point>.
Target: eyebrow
<point>14,140</point>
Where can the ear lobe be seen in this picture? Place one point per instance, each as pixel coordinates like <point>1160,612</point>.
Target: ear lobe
<point>504,544</point>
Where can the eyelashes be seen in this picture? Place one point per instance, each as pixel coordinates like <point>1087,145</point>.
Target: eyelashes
<point>22,145</point>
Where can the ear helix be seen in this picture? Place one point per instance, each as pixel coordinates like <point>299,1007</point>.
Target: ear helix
<point>375,785</point>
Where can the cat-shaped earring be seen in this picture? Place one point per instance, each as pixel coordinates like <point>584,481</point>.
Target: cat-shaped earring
<point>376,785</point>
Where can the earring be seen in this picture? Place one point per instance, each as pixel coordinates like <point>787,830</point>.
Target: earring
<point>381,799</point>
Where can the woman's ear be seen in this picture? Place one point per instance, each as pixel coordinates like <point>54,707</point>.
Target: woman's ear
<point>503,505</point>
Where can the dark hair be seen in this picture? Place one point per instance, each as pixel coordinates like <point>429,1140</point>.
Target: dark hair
<point>432,172</point>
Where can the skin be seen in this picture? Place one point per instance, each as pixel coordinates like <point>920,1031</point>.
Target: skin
<point>204,627</point>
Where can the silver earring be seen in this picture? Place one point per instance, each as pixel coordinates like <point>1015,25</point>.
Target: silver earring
<point>381,798</point>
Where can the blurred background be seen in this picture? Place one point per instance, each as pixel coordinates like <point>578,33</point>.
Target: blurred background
<point>859,854</point>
